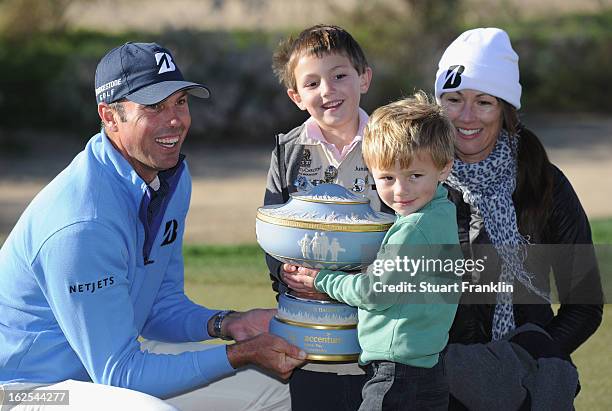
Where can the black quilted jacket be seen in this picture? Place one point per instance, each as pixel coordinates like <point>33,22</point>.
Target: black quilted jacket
<point>578,284</point>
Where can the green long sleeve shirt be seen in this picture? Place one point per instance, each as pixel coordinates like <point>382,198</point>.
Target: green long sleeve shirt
<point>408,327</point>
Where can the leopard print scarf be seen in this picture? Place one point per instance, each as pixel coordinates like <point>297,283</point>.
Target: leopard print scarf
<point>488,186</point>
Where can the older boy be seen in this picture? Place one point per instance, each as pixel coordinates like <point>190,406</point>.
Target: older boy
<point>408,145</point>
<point>325,72</point>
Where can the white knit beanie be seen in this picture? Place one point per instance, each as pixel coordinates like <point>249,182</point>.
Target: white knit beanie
<point>483,60</point>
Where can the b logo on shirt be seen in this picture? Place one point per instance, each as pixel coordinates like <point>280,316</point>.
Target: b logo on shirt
<point>170,232</point>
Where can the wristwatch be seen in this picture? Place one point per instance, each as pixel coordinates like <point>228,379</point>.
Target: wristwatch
<point>218,322</point>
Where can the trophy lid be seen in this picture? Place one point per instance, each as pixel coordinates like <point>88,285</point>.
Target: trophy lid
<point>326,226</point>
<point>326,204</point>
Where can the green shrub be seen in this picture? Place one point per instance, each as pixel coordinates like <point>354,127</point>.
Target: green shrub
<point>49,82</point>
<point>47,78</point>
<point>563,60</point>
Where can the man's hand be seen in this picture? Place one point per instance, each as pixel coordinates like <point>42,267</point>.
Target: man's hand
<point>267,351</point>
<point>242,326</point>
<point>301,279</point>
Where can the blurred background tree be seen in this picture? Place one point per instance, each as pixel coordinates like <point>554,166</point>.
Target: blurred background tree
<point>22,18</point>
<point>49,51</point>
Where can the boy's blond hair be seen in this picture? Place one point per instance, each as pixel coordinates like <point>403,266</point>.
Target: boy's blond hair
<point>405,128</point>
<point>319,40</point>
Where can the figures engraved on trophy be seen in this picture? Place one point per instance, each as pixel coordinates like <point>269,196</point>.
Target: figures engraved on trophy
<point>335,248</point>
<point>304,244</point>
<point>315,245</point>
<point>324,246</point>
<point>320,247</point>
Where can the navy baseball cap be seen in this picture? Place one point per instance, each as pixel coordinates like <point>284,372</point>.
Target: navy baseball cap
<point>144,73</point>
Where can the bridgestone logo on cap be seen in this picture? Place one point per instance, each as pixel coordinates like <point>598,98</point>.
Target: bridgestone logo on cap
<point>165,63</point>
<point>108,85</point>
<point>453,77</point>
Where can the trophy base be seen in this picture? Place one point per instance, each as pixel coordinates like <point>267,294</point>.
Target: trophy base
<point>310,296</point>
<point>320,342</point>
<point>293,308</point>
<point>332,358</point>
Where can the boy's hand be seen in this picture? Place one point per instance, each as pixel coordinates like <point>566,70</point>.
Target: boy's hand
<point>300,279</point>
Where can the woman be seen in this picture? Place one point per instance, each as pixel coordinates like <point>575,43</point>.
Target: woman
<point>504,353</point>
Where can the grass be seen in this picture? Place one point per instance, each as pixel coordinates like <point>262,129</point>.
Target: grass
<point>236,277</point>
<point>233,277</point>
<point>212,264</point>
<point>602,231</point>
<point>594,361</point>
<point>594,358</point>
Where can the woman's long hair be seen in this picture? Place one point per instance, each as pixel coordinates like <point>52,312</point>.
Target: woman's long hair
<point>533,196</point>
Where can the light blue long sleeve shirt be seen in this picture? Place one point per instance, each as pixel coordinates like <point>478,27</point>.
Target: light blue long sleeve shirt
<point>75,291</point>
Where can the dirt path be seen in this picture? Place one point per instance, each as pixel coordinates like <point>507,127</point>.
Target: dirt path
<point>228,184</point>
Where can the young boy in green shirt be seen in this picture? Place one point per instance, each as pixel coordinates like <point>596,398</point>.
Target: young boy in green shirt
<point>409,147</point>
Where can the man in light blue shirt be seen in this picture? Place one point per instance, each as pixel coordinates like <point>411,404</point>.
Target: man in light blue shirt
<point>95,261</point>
